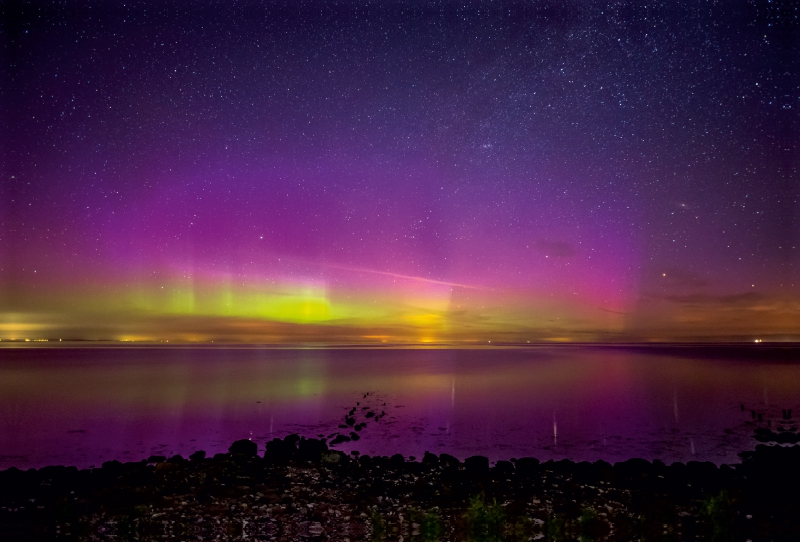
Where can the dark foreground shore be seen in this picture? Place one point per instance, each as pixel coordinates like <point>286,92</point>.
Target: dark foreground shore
<point>301,490</point>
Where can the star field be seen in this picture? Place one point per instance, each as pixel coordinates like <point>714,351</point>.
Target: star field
<point>407,172</point>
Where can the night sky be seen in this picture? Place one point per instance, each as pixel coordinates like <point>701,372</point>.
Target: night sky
<point>400,172</point>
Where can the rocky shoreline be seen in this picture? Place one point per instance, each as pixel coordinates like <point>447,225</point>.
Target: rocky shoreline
<point>301,489</point>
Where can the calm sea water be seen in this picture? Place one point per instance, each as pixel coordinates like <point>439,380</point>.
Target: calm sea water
<point>83,406</point>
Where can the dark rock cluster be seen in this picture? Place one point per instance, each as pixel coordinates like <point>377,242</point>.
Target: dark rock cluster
<point>350,422</point>
<point>301,489</point>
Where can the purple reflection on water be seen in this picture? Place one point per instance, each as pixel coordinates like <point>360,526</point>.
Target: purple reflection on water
<point>83,406</point>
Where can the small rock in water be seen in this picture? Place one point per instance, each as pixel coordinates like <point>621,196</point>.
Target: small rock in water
<point>339,439</point>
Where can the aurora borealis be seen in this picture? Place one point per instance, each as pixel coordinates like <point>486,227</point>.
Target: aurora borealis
<point>355,172</point>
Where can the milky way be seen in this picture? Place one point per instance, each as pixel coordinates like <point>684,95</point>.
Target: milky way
<point>348,172</point>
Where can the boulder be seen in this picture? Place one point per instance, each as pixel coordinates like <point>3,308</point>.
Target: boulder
<point>244,447</point>
<point>199,455</point>
<point>397,461</point>
<point>339,439</point>
<point>333,457</point>
<point>527,466</point>
<point>430,460</point>
<point>280,450</point>
<point>447,460</point>
<point>311,449</point>
<point>503,470</point>
<point>477,465</point>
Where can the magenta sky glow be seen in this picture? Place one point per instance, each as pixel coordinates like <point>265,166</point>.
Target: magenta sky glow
<point>444,173</point>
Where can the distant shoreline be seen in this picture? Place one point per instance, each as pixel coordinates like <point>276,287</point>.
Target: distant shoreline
<point>649,346</point>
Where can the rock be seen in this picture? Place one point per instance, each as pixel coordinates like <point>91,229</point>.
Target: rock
<point>333,457</point>
<point>311,449</point>
<point>112,466</point>
<point>477,465</point>
<point>762,434</point>
<point>527,466</point>
<point>281,450</point>
<point>397,461</point>
<point>430,460</point>
<point>354,436</point>
<point>244,447</point>
<point>448,460</point>
<point>339,439</point>
<point>635,467</point>
<point>503,469</point>
<point>564,466</point>
<point>199,455</point>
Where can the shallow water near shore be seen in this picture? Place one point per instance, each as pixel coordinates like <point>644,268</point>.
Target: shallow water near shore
<point>84,406</point>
